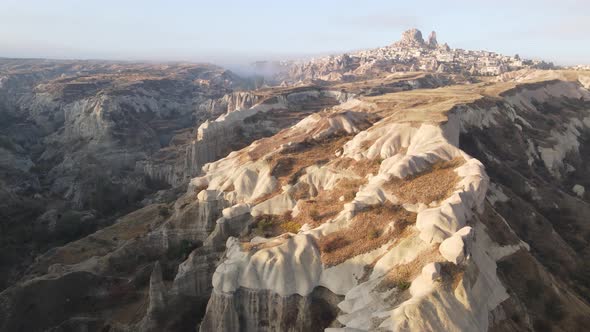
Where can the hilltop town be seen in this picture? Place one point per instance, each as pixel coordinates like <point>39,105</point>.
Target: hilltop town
<point>412,53</point>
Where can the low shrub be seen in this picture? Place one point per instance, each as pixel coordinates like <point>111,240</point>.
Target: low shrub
<point>291,227</point>
<point>164,212</point>
<point>332,244</point>
<point>373,234</point>
<point>403,285</point>
<point>182,249</point>
<point>264,225</point>
<point>314,215</point>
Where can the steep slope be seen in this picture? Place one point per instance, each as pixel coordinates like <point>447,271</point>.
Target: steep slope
<point>157,232</point>
<point>433,267</point>
<point>74,135</point>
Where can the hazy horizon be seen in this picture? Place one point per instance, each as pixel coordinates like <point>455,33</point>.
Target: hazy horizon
<point>232,33</point>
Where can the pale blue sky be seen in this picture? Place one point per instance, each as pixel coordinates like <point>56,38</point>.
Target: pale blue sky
<point>229,32</point>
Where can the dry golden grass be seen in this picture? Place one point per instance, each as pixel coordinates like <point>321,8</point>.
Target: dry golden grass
<point>407,232</point>
<point>273,225</point>
<point>271,92</point>
<point>366,166</point>
<point>402,275</point>
<point>422,105</point>
<point>300,138</point>
<point>288,164</point>
<point>291,227</point>
<point>268,144</point>
<point>434,184</point>
<point>382,80</point>
<point>366,232</point>
<point>301,191</point>
<point>327,203</point>
<point>249,246</point>
<point>361,168</point>
<point>433,105</point>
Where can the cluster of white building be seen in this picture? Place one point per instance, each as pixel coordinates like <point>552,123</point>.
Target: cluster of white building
<point>444,59</point>
<point>579,67</point>
<point>412,53</point>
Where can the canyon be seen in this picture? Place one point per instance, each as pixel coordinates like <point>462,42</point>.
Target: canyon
<point>363,192</point>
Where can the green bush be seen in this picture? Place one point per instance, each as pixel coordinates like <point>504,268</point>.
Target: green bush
<point>181,250</point>
<point>291,227</point>
<point>333,244</point>
<point>373,234</point>
<point>264,224</point>
<point>314,215</point>
<point>403,285</point>
<point>164,212</point>
<point>70,227</point>
<point>554,309</point>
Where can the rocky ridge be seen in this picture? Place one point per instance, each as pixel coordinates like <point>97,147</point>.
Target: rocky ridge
<point>451,256</point>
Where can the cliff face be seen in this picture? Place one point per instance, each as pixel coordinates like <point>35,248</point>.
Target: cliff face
<point>176,163</point>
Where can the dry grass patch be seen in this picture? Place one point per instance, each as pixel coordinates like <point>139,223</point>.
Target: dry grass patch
<point>290,163</point>
<point>433,105</point>
<point>401,276</point>
<point>301,191</point>
<point>367,231</point>
<point>361,168</point>
<point>272,225</point>
<point>249,246</point>
<point>434,184</point>
<point>268,144</point>
<point>378,81</point>
<point>314,211</point>
<point>327,203</point>
<point>366,166</point>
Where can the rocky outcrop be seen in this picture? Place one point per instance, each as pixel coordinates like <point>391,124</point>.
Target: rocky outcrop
<point>409,54</point>
<point>173,164</point>
<point>457,291</point>
<point>432,42</point>
<point>411,38</point>
<point>235,130</point>
<point>272,312</point>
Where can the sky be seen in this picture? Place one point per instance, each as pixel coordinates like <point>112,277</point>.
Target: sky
<point>238,32</point>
